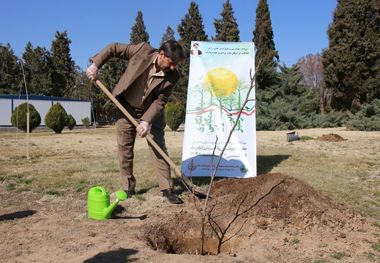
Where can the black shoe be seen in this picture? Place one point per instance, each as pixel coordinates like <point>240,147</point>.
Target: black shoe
<point>130,193</point>
<point>172,197</point>
<point>131,187</point>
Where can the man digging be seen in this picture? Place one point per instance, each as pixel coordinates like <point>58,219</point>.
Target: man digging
<point>143,89</point>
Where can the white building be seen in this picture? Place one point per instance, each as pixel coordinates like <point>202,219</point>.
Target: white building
<point>79,109</point>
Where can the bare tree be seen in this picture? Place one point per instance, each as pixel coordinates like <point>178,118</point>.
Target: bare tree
<point>312,69</point>
<point>205,211</point>
<point>242,208</point>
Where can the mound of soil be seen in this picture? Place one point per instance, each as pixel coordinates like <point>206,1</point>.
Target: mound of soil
<point>331,138</point>
<point>239,207</point>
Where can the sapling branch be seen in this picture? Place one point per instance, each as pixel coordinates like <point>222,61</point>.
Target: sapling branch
<point>205,213</point>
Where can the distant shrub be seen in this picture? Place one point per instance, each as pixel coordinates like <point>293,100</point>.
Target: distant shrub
<point>277,116</point>
<point>265,123</point>
<point>86,122</point>
<point>70,122</point>
<point>328,120</point>
<point>56,118</point>
<point>280,114</point>
<point>18,118</point>
<point>174,115</point>
<point>367,118</point>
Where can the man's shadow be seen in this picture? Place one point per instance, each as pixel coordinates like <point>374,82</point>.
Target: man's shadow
<point>17,215</point>
<point>120,255</point>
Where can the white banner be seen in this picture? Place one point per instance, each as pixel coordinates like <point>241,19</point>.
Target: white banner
<point>219,80</point>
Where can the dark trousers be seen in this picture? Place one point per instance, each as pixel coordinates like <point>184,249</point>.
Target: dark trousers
<point>126,136</point>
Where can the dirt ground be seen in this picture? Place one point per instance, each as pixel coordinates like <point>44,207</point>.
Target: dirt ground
<point>270,218</point>
<point>331,137</point>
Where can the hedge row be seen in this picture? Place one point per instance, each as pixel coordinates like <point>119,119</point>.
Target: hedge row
<point>55,119</point>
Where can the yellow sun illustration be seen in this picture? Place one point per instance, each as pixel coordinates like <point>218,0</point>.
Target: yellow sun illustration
<point>221,82</point>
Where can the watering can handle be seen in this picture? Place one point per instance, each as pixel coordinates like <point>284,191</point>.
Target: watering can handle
<point>101,189</point>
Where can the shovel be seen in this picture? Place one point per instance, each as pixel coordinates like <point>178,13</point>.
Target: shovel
<point>186,181</point>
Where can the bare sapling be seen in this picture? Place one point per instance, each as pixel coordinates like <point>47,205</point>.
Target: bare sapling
<point>204,211</point>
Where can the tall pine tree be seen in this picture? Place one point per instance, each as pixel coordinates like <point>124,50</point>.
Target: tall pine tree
<point>82,86</point>
<point>227,28</point>
<point>190,29</point>
<point>112,71</point>
<point>266,53</point>
<point>138,33</point>
<point>37,68</point>
<point>10,71</point>
<point>169,35</point>
<point>109,74</point>
<point>63,74</point>
<point>114,68</point>
<point>352,61</point>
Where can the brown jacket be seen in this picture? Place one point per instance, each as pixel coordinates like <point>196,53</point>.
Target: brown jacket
<point>139,58</point>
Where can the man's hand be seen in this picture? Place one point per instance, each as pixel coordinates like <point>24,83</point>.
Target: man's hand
<point>92,72</point>
<point>143,128</point>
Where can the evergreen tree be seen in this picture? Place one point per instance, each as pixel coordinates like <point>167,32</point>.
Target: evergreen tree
<point>266,53</point>
<point>70,122</point>
<point>169,35</point>
<point>227,28</point>
<point>62,64</point>
<point>110,74</point>
<point>352,61</point>
<point>138,33</point>
<point>367,118</point>
<point>10,71</point>
<point>19,117</point>
<point>286,105</point>
<point>56,118</point>
<point>174,115</point>
<point>115,67</point>
<point>190,29</point>
<point>37,65</point>
<point>105,111</point>
<point>28,60</point>
<point>82,86</point>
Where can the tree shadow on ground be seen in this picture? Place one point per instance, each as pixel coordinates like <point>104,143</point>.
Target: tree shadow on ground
<point>120,255</point>
<point>17,215</point>
<point>265,164</point>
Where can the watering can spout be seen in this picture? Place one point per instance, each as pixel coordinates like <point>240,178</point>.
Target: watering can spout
<point>107,211</point>
<point>120,196</point>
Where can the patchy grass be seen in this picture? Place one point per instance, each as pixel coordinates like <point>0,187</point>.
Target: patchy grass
<point>372,257</point>
<point>338,255</point>
<point>347,171</point>
<point>72,162</point>
<point>306,138</point>
<point>376,246</point>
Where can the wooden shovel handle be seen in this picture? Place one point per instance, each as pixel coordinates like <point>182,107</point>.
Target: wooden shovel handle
<point>148,137</point>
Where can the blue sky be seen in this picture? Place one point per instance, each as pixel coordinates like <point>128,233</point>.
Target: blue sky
<point>299,26</point>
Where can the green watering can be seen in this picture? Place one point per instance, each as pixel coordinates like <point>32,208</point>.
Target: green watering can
<point>98,203</point>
